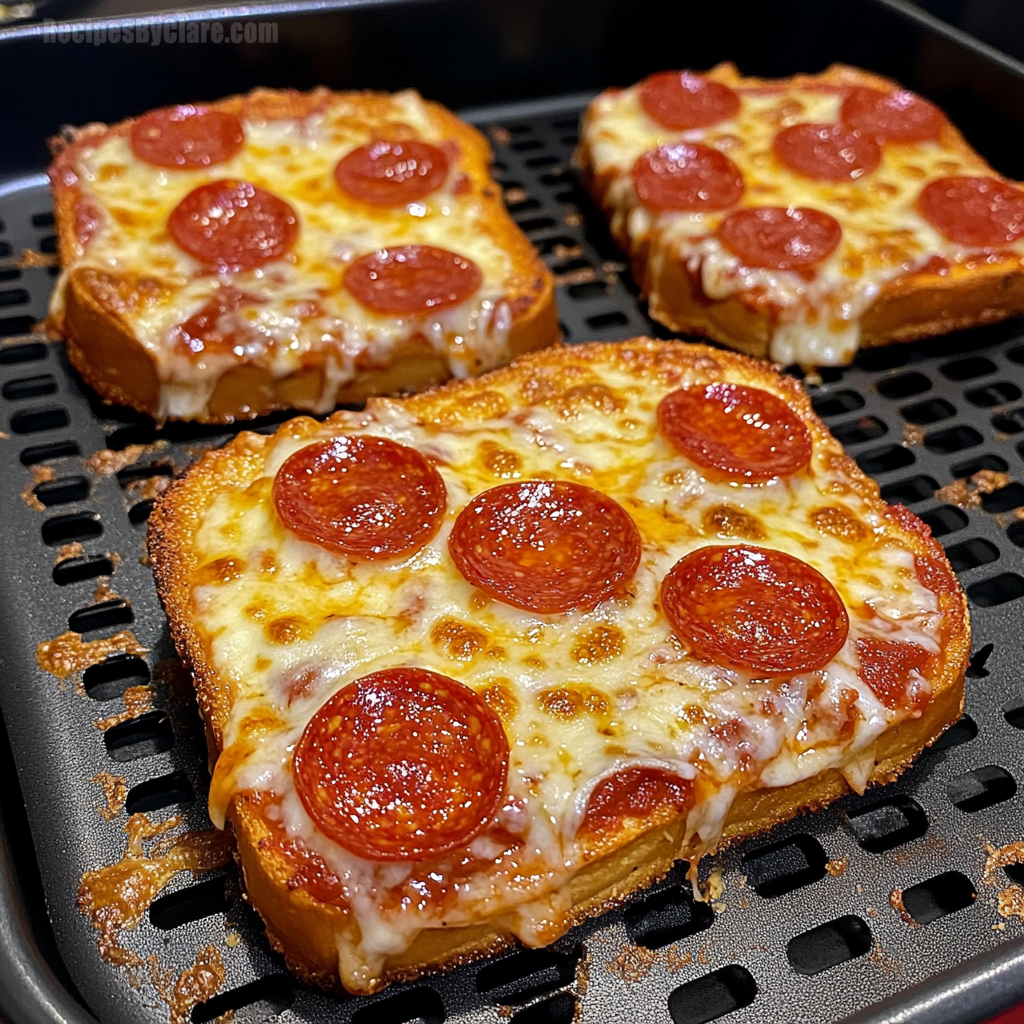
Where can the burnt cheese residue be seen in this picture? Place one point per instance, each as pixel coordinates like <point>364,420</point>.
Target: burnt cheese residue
<point>115,793</point>
<point>68,653</point>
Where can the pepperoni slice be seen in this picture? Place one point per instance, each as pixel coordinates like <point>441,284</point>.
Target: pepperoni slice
<point>410,279</point>
<point>392,173</point>
<point>827,152</point>
<point>740,431</point>
<point>360,496</point>
<point>545,546</point>
<point>933,569</point>
<point>634,793</point>
<point>681,99</point>
<point>982,212</point>
<point>206,330</point>
<point>885,665</point>
<point>402,765</point>
<point>186,137</point>
<point>779,237</point>
<point>754,608</point>
<point>233,225</point>
<point>686,176</point>
<point>896,116</point>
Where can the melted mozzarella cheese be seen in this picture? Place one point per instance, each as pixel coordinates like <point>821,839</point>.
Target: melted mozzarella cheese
<point>581,694</point>
<point>298,302</point>
<point>817,317</point>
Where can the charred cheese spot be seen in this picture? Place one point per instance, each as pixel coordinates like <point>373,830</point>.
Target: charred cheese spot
<point>534,661</point>
<point>833,521</point>
<point>550,382</point>
<point>694,714</point>
<point>575,402</point>
<point>289,629</point>
<point>500,462</point>
<point>484,405</point>
<point>257,611</point>
<point>598,645</point>
<point>262,664</point>
<point>457,640</point>
<point>729,521</point>
<point>567,703</point>
<point>500,696</point>
<point>220,571</point>
<point>268,563</point>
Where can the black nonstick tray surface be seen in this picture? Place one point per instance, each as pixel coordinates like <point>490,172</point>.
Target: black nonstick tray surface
<point>803,928</point>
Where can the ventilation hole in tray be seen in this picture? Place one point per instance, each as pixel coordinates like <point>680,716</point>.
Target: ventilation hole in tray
<point>588,290</point>
<point>29,387</point>
<point>203,899</point>
<point>560,1009</point>
<point>521,976</point>
<point>930,411</point>
<point>43,417</point>
<point>887,358</point>
<point>73,526</point>
<point>784,866</point>
<point>968,369</point>
<point>903,386</point>
<point>976,666</point>
<point>1015,873</point>
<point>1015,716</point>
<point>100,616</point>
<point>962,731</point>
<point>417,1004</point>
<point>1015,355</point>
<point>1011,422</point>
<point>140,512</point>
<point>712,996</point>
<point>566,124</point>
<point>140,737</point>
<point>1003,500</point>
<point>952,439</point>
<point>1001,589</point>
<point>979,463</point>
<point>667,915</point>
<point>532,224</point>
<point>48,244</point>
<point>993,394</point>
<point>601,321</point>
<point>134,433</point>
<point>983,787</point>
<point>261,1000</point>
<point>971,553</point>
<point>909,491</point>
<point>155,794</point>
<point>42,220</point>
<point>37,453</point>
<point>944,520</point>
<point>13,297</point>
<point>10,275</point>
<point>885,460</point>
<point>62,491</point>
<point>29,352</point>
<point>559,178</point>
<point>837,403</point>
<point>12,325</point>
<point>570,265</point>
<point>543,161</point>
<point>546,246</point>
<point>886,824</point>
<point>143,471</point>
<point>829,945</point>
<point>111,677</point>
<point>867,428</point>
<point>526,145</point>
<point>1015,531</point>
<point>84,567</point>
<point>521,205</point>
<point>944,894</point>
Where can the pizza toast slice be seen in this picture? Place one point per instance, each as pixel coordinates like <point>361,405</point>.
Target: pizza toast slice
<point>477,663</point>
<point>288,250</point>
<point>802,218</point>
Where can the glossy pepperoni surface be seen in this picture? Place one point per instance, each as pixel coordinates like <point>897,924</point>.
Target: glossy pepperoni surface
<point>402,765</point>
<point>634,793</point>
<point>885,665</point>
<point>392,173</point>
<point>209,329</point>
<point>742,432</point>
<point>895,116</point>
<point>362,497</point>
<point>754,608</point>
<point>545,546</point>
<point>233,225</point>
<point>779,237</point>
<point>686,176</point>
<point>681,99</point>
<point>827,152</point>
<point>412,279</point>
<point>981,212</point>
<point>186,137</point>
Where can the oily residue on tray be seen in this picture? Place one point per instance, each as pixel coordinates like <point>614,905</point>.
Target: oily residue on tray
<point>40,475</point>
<point>68,653</point>
<point>107,462</point>
<point>967,492</point>
<point>117,896</point>
<point>633,964</point>
<point>72,550</point>
<point>1001,857</point>
<point>137,701</point>
<point>896,902</point>
<point>115,792</point>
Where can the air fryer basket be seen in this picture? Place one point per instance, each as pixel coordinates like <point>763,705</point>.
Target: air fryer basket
<point>804,927</point>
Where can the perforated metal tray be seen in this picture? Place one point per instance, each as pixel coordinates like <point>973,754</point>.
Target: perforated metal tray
<point>803,929</point>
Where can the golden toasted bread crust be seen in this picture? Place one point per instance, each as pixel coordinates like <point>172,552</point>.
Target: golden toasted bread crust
<point>115,363</point>
<point>917,304</point>
<point>305,930</point>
